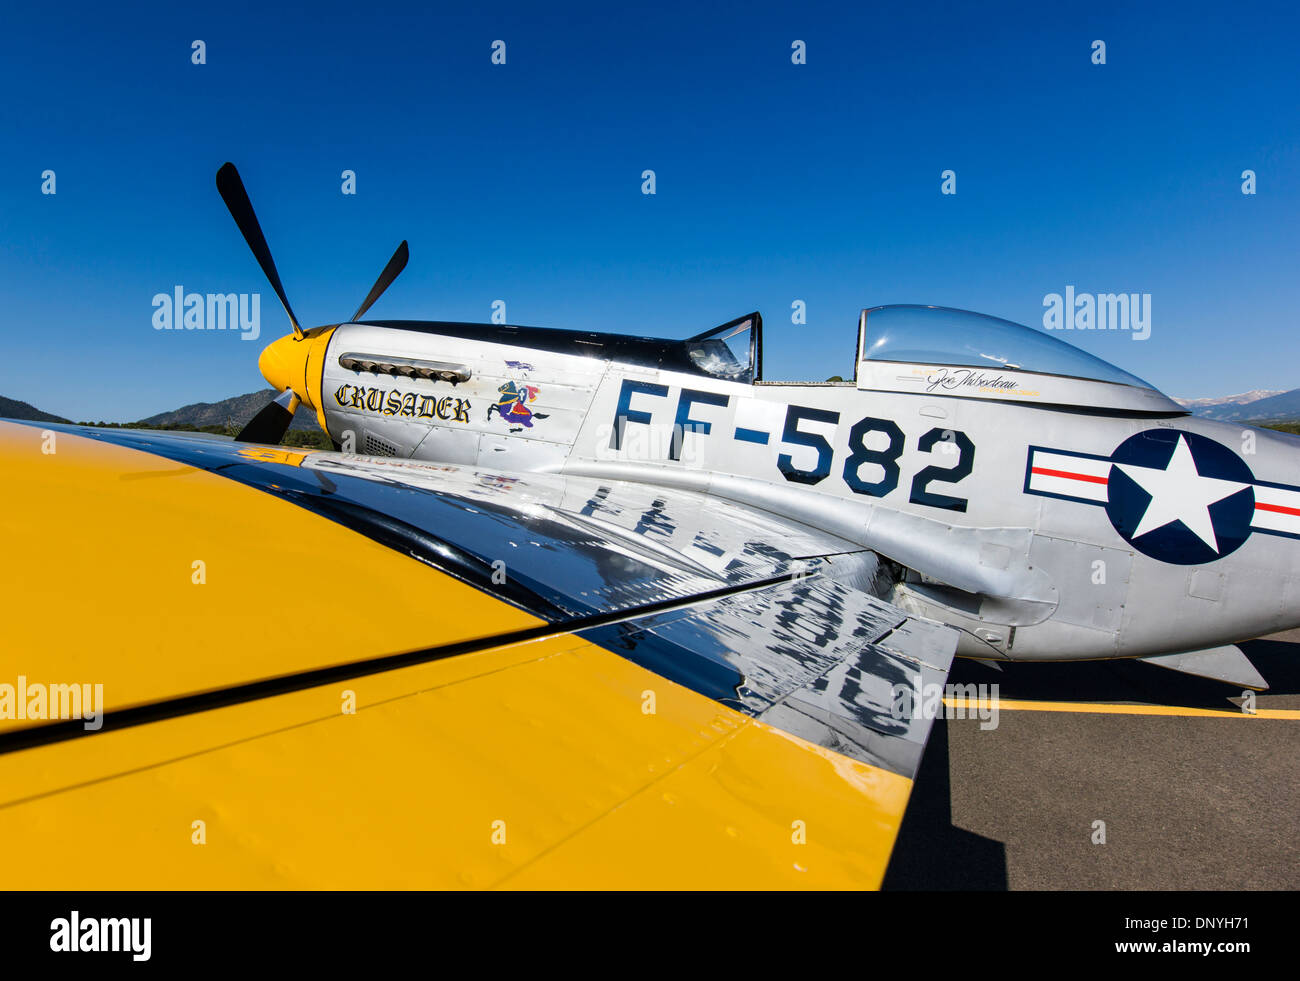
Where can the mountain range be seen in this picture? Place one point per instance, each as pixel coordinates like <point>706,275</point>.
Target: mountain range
<point>1257,406</point>
<point>234,412</point>
<point>1242,399</point>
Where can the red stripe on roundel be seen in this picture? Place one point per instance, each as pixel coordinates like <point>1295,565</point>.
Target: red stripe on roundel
<point>1043,471</point>
<point>1276,507</point>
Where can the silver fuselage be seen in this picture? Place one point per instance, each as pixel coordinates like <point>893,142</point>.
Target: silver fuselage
<point>940,482</point>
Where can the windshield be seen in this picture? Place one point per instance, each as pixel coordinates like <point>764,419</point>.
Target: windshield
<point>944,336</point>
<point>727,351</point>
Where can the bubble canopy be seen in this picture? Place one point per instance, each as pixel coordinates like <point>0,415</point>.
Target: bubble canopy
<point>945,336</point>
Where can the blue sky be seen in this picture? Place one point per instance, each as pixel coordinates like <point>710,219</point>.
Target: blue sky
<point>522,182</point>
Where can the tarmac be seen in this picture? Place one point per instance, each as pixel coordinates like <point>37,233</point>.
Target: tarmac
<point>1192,792</point>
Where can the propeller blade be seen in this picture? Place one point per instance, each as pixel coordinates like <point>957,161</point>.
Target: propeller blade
<point>391,271</point>
<point>272,422</point>
<point>232,192</point>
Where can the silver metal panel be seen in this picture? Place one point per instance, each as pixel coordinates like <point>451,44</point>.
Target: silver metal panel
<point>529,398</point>
<point>1092,580</point>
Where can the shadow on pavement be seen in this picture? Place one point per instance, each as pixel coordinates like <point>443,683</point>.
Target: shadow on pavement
<point>1129,680</point>
<point>930,852</point>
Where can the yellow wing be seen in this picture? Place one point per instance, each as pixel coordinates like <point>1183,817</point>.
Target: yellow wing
<point>329,672</point>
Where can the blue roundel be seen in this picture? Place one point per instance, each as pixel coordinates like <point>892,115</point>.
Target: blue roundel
<point>1180,497</point>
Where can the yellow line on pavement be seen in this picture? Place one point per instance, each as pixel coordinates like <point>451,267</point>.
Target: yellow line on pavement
<point>972,705</point>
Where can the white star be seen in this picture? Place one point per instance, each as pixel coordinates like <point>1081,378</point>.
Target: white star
<point>1180,493</point>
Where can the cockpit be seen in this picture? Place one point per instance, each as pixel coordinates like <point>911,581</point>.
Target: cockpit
<point>943,351</point>
<point>935,351</point>
<point>732,351</point>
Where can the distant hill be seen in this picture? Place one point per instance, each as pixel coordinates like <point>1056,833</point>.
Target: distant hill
<point>13,409</point>
<point>224,418</point>
<point>1270,407</point>
<point>234,412</point>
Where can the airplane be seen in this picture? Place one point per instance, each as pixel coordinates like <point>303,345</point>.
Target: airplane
<point>611,611</point>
